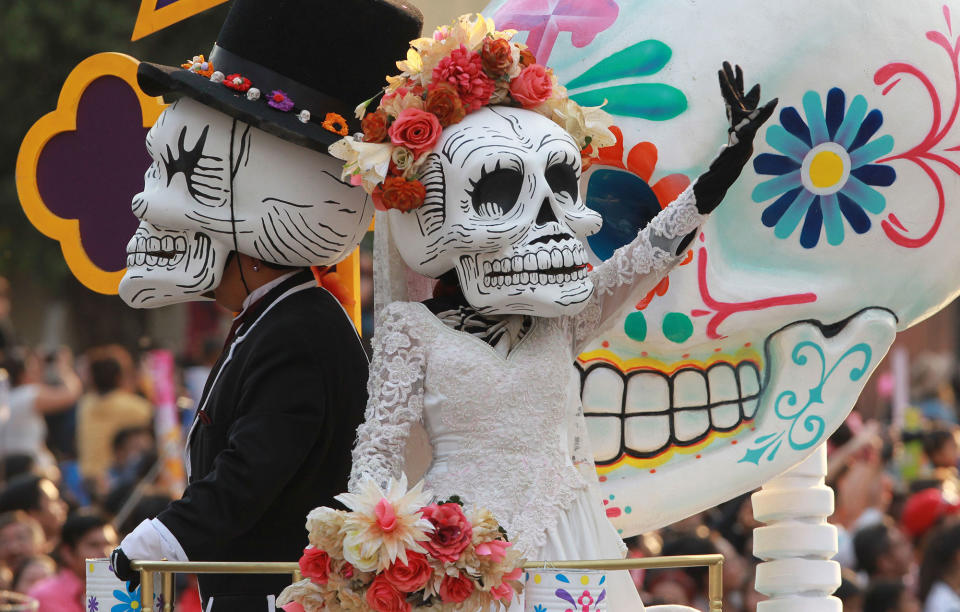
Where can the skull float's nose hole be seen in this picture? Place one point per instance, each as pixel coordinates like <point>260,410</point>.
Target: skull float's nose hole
<point>545,214</point>
<point>826,169</point>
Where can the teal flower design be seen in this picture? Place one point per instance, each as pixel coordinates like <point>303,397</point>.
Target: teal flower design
<point>826,173</point>
<point>653,101</point>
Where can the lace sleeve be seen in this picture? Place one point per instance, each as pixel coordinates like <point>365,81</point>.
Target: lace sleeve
<point>395,401</point>
<point>634,269</point>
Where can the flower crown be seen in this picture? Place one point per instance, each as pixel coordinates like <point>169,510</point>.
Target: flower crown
<point>461,69</point>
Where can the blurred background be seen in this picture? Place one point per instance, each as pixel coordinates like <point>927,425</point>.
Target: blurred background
<point>82,446</point>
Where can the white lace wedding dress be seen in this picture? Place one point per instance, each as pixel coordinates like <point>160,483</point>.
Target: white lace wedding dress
<point>508,431</point>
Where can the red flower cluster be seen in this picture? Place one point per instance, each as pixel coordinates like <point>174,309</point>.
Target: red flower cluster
<point>464,70</point>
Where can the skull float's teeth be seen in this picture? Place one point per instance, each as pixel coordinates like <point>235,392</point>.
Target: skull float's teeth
<point>654,411</point>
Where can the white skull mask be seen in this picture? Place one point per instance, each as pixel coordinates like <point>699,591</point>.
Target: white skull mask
<point>503,208</point>
<point>218,185</point>
<point>839,233</point>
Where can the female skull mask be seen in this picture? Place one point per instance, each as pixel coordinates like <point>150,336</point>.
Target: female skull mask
<point>218,185</point>
<point>503,209</point>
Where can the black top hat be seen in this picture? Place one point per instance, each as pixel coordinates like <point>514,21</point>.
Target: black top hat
<point>326,56</point>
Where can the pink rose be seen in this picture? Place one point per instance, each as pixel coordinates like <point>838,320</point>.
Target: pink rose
<point>416,130</point>
<point>495,549</point>
<point>412,576</point>
<point>315,564</point>
<point>532,86</point>
<point>464,69</point>
<point>455,589</point>
<point>383,597</point>
<point>452,531</point>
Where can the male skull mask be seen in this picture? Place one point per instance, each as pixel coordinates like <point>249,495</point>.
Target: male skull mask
<point>218,185</point>
<point>503,209</point>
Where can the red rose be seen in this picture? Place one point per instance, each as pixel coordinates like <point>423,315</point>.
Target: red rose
<point>383,597</point>
<point>452,531</point>
<point>532,86</point>
<point>415,129</point>
<point>455,589</point>
<point>397,192</point>
<point>374,126</point>
<point>464,70</point>
<point>315,564</point>
<point>444,102</point>
<point>497,56</point>
<point>412,576</point>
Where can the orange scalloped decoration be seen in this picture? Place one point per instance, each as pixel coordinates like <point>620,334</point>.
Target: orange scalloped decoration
<point>152,19</point>
<point>64,119</point>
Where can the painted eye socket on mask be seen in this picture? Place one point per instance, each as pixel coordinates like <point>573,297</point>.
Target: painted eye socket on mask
<point>563,175</point>
<point>201,172</point>
<point>496,192</point>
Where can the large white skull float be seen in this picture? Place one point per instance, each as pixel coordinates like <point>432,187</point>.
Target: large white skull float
<point>218,185</point>
<point>503,209</point>
<point>837,235</point>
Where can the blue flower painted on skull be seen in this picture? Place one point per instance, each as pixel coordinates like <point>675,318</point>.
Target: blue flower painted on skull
<point>825,172</point>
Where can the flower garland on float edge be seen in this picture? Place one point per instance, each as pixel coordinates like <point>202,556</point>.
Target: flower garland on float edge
<point>461,69</point>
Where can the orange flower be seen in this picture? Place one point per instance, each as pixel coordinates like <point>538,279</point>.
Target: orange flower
<point>336,124</point>
<point>199,65</point>
<point>497,56</point>
<point>443,100</point>
<point>375,126</point>
<point>399,193</point>
<point>527,58</point>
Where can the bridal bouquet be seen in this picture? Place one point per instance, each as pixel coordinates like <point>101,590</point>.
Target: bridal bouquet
<point>395,552</point>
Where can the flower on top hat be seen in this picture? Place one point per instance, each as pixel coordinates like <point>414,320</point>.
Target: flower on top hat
<point>460,69</point>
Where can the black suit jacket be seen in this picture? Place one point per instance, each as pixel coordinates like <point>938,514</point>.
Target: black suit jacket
<point>273,436</point>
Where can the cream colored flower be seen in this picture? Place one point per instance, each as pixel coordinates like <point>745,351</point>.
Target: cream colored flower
<point>399,100</point>
<point>369,160</point>
<point>325,526</point>
<point>412,65</point>
<point>383,525</point>
<point>306,593</point>
<point>597,124</point>
<point>500,93</point>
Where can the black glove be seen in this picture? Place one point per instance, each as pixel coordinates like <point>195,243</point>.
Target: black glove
<point>745,119</point>
<point>121,567</point>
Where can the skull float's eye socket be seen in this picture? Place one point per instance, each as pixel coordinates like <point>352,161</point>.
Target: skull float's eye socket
<point>496,192</point>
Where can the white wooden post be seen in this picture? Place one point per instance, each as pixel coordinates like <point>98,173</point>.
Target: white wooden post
<point>797,544</point>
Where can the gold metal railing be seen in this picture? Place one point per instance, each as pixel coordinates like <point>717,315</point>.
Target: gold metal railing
<point>167,569</point>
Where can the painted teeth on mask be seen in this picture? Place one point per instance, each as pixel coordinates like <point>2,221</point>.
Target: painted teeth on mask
<point>660,411</point>
<point>545,267</point>
<point>168,251</point>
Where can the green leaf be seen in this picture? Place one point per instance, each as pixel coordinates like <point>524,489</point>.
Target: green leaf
<point>653,101</point>
<point>642,59</point>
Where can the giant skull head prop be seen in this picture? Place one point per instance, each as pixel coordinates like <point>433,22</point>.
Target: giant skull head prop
<point>218,185</point>
<point>840,233</point>
<point>503,209</point>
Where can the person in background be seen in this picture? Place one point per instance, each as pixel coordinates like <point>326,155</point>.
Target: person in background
<point>890,596</point>
<point>941,451</point>
<point>21,538</point>
<point>130,446</point>
<point>24,430</point>
<point>883,552</point>
<point>940,571</point>
<point>31,571</point>
<point>40,499</point>
<point>108,409</point>
<point>931,389</point>
<point>86,535</point>
<point>924,511</point>
<point>850,591</point>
